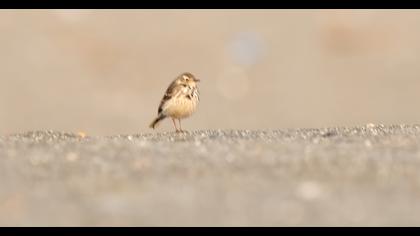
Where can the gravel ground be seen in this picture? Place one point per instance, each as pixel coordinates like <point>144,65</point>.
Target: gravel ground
<point>364,176</point>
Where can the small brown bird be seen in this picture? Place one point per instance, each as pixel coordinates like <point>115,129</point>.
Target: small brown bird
<point>180,100</point>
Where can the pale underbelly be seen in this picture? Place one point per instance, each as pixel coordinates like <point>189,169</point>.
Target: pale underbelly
<point>180,108</point>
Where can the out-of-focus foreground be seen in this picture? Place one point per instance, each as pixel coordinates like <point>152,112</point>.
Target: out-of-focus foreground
<point>104,71</point>
<point>362,176</point>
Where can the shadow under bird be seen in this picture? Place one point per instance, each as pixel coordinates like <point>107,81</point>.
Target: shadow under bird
<point>180,100</point>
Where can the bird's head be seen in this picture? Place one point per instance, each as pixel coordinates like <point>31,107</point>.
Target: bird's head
<point>188,79</point>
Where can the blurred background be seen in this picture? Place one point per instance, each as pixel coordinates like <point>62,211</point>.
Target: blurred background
<point>104,72</point>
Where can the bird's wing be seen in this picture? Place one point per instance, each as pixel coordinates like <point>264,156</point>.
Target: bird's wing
<point>171,91</point>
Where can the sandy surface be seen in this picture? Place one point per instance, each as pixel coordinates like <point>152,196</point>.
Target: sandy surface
<point>368,175</point>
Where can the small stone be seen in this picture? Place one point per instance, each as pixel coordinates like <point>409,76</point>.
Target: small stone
<point>370,125</point>
<point>81,134</point>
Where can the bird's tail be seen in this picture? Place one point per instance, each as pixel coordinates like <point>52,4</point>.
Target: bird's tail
<point>156,121</point>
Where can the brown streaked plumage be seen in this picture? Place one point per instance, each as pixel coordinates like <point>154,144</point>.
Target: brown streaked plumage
<point>180,100</point>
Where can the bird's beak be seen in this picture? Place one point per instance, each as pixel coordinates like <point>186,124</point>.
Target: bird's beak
<point>196,80</point>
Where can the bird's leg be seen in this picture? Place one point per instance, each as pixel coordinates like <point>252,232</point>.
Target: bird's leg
<point>180,129</point>
<point>176,129</point>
